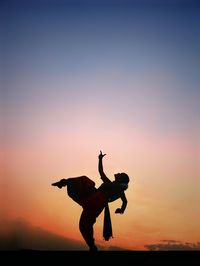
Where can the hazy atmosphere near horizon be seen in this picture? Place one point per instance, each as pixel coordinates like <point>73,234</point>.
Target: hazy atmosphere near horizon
<point>119,76</point>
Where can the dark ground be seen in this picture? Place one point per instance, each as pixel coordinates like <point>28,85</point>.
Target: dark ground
<point>122,258</point>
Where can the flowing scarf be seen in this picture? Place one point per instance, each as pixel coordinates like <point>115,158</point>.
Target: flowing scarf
<point>107,225</point>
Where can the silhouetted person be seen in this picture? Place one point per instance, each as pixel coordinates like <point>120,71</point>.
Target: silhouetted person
<point>94,201</point>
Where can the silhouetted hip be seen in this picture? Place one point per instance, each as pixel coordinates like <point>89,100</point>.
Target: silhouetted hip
<point>95,203</point>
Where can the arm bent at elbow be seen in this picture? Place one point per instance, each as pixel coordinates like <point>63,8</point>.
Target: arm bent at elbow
<point>124,204</point>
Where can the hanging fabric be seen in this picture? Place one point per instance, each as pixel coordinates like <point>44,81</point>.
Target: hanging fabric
<point>107,225</point>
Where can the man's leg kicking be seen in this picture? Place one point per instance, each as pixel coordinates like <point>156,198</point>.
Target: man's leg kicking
<point>62,183</point>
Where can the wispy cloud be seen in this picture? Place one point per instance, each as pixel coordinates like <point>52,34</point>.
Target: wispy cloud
<point>173,245</point>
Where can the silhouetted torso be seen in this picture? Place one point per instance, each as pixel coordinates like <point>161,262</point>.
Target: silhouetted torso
<point>111,190</point>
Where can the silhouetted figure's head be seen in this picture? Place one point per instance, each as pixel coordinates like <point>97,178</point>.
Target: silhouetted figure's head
<point>122,178</point>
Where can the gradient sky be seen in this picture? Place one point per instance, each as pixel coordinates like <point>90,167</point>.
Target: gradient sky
<point>118,76</point>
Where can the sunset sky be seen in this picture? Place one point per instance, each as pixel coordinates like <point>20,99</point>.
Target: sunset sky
<point>118,76</point>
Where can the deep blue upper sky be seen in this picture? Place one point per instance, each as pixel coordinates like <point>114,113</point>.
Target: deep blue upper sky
<point>141,54</point>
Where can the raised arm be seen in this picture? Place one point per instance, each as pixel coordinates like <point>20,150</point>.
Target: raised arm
<point>124,204</point>
<point>100,168</point>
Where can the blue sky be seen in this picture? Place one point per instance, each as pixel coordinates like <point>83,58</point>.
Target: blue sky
<point>116,46</point>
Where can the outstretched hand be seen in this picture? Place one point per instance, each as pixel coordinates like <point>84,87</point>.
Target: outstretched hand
<point>101,155</point>
<point>118,210</point>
